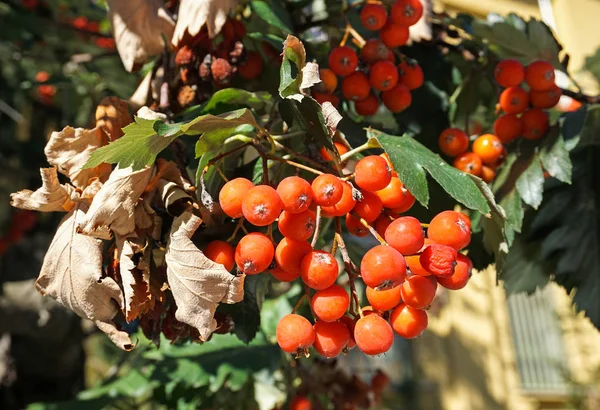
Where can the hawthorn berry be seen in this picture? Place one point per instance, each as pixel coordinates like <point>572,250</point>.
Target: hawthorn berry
<point>374,50</point>
<point>461,275</point>
<point>220,252</point>
<point>383,75</point>
<point>372,173</point>
<point>508,127</point>
<point>383,267</point>
<point>327,190</point>
<point>468,162</point>
<point>509,73</point>
<point>407,12</point>
<point>295,194</point>
<point>355,227</point>
<point>417,291</point>
<point>294,334</point>
<point>453,142</point>
<point>368,106</point>
<point>343,60</point>
<point>410,74</point>
<point>393,195</point>
<point>488,147</point>
<point>408,322</point>
<point>328,82</point>
<point>535,124</point>
<point>344,205</point>
<point>369,208</point>
<point>355,86</point>
<point>254,253</point>
<point>300,403</point>
<point>319,269</point>
<point>386,299</point>
<point>232,194</point>
<point>450,228</point>
<point>539,75</point>
<point>297,226</point>
<point>546,98</point>
<point>289,254</point>
<point>373,16</point>
<point>330,338</point>
<point>330,304</point>
<point>405,234</point>
<point>514,100</point>
<point>438,259</point>
<point>251,67</point>
<point>397,99</point>
<point>261,205</point>
<point>373,335</point>
<point>394,35</point>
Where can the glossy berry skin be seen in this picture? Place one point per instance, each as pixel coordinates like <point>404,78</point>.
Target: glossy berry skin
<point>461,275</point>
<point>439,260</point>
<point>254,253</point>
<point>369,208</point>
<point>539,75</point>
<point>232,194</point>
<point>372,173</point>
<point>383,267</point>
<point>330,338</point>
<point>294,334</point>
<point>339,147</point>
<point>535,124</point>
<point>319,269</point>
<point>393,195</point>
<point>410,74</point>
<point>509,73</point>
<point>413,263</point>
<point>384,300</point>
<point>356,86</point>
<point>297,226</point>
<point>220,252</point>
<point>408,322</point>
<point>283,275</point>
<point>355,227</point>
<point>289,254</point>
<point>383,75</point>
<point>251,67</point>
<point>374,50</point>
<point>295,194</point>
<point>418,291</point>
<point>368,106</point>
<point>405,235</point>
<point>545,99</point>
<point>407,12</point>
<point>453,142</point>
<point>407,203</point>
<point>397,99</point>
<point>261,205</point>
<point>373,335</point>
<point>300,403</point>
<point>344,205</point>
<point>508,128</point>
<point>450,228</point>
<point>343,60</point>
<point>373,16</point>
<point>328,82</point>
<point>488,147</point>
<point>330,304</point>
<point>350,323</point>
<point>514,100</point>
<point>394,35</point>
<point>468,162</point>
<point>327,190</point>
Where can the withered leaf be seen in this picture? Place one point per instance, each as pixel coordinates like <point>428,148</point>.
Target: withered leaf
<point>72,274</point>
<point>310,75</point>
<point>50,197</point>
<point>332,117</point>
<point>70,149</point>
<point>112,115</point>
<point>134,268</point>
<point>193,14</point>
<point>198,284</point>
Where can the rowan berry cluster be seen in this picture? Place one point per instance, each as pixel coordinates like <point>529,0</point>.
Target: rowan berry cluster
<point>401,274</point>
<point>523,116</point>
<point>373,75</point>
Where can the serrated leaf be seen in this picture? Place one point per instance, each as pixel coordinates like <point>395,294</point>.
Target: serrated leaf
<point>294,60</point>
<point>514,209</point>
<point>555,157</point>
<point>411,159</point>
<point>309,117</point>
<point>273,14</point>
<point>530,183</point>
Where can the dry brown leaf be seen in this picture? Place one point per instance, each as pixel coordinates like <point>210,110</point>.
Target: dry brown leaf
<point>70,149</point>
<point>114,205</point>
<point>332,117</point>
<point>51,197</point>
<point>72,274</point>
<point>198,284</point>
<point>134,268</point>
<point>193,14</point>
<point>174,198</point>
<point>140,96</point>
<point>138,27</point>
<point>297,47</point>
<point>112,115</point>
<point>310,75</point>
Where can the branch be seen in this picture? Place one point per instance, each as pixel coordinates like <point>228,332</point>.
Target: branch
<point>581,97</point>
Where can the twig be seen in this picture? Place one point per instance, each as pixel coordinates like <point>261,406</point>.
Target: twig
<point>304,158</point>
<point>584,98</point>
<point>315,238</point>
<point>294,164</point>
<point>349,267</point>
<point>370,228</point>
<point>299,303</point>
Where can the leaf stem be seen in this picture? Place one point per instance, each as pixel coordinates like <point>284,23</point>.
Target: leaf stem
<point>345,157</point>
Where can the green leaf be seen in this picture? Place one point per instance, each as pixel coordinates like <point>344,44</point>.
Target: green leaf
<point>138,147</point>
<point>555,157</point>
<point>589,133</point>
<point>294,60</point>
<point>524,268</point>
<point>272,39</point>
<point>514,209</point>
<point>237,97</point>
<point>530,183</point>
<point>273,14</point>
<point>411,160</point>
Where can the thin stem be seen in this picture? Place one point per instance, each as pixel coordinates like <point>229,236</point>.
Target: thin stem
<point>346,35</point>
<point>360,41</point>
<point>349,267</point>
<point>370,228</point>
<point>304,158</point>
<point>299,303</point>
<point>355,151</point>
<point>284,137</point>
<point>294,164</point>
<point>214,160</point>
<point>240,225</point>
<point>315,238</point>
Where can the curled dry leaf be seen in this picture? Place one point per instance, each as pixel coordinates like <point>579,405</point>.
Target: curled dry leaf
<point>193,14</point>
<point>139,26</point>
<point>332,117</point>
<point>175,199</point>
<point>114,205</point>
<point>310,75</point>
<point>51,197</point>
<point>72,274</point>
<point>70,149</point>
<point>297,48</point>
<point>134,269</point>
<point>112,115</point>
<point>198,284</point>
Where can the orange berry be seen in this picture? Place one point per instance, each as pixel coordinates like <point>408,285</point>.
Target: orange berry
<point>283,275</point>
<point>343,60</point>
<point>407,12</point>
<point>350,323</point>
<point>438,259</point>
<point>368,106</point>
<point>487,174</point>
<point>509,73</point>
<point>453,141</point>
<point>261,205</point>
<point>373,16</point>
<point>355,227</point>
<point>300,403</point>
<point>488,147</point>
<point>545,99</point>
<point>393,195</point>
<point>251,67</point>
<point>254,253</point>
<point>43,76</point>
<point>327,190</point>
<point>339,147</point>
<point>220,252</point>
<point>410,74</point>
<point>468,162</point>
<point>408,322</point>
<point>374,50</point>
<point>418,291</point>
<point>535,124</point>
<point>508,127</point>
<point>394,35</point>
<point>373,335</point>
<point>328,82</point>
<point>381,224</point>
<point>514,100</point>
<point>322,98</point>
<point>297,226</point>
<point>383,75</point>
<point>414,265</point>
<point>383,267</point>
<point>405,235</point>
<point>330,304</point>
<point>319,269</point>
<point>450,228</point>
<point>369,208</point>
<point>289,254</point>
<point>407,203</point>
<point>539,75</point>
<point>461,275</point>
<point>295,194</point>
<point>384,299</point>
<point>356,86</point>
<point>344,205</point>
<point>232,194</point>
<point>294,334</point>
<point>397,99</point>
<point>330,338</point>
<point>372,173</point>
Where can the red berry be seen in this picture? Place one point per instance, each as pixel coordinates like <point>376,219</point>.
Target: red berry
<point>330,304</point>
<point>508,127</point>
<point>261,205</point>
<point>330,338</point>
<point>369,208</point>
<point>461,275</point>
<point>297,226</point>
<point>405,235</point>
<point>220,252</point>
<point>372,173</point>
<point>251,67</point>
<point>289,254</point>
<point>344,205</point>
<point>374,50</point>
<point>509,73</point>
<point>355,227</point>
<point>356,86</point>
<point>373,335</point>
<point>535,124</point>
<point>394,35</point>
<point>397,99</point>
<point>418,291</point>
<point>327,190</point>
<point>373,16</point>
<point>410,74</point>
<point>300,403</point>
<point>343,60</point>
<point>319,269</point>
<point>295,194</point>
<point>514,100</point>
<point>254,253</point>
<point>368,106</point>
<point>539,75</point>
<point>439,260</point>
<point>408,322</point>
<point>453,142</point>
<point>383,75</point>
<point>450,228</point>
<point>384,300</point>
<point>407,12</point>
<point>232,194</point>
<point>383,267</point>
<point>294,334</point>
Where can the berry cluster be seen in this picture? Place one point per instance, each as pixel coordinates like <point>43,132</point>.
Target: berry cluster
<point>374,76</point>
<point>401,274</point>
<point>523,116</point>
